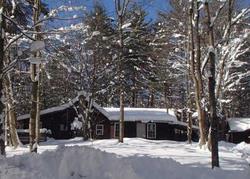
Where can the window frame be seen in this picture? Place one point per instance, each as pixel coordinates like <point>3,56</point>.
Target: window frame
<point>102,129</point>
<point>149,136</point>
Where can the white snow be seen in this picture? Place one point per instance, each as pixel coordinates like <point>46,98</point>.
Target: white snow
<point>244,148</point>
<point>134,159</point>
<point>113,114</point>
<point>125,26</point>
<point>141,114</point>
<point>43,130</point>
<point>76,124</point>
<point>239,124</point>
<point>95,33</point>
<point>65,106</point>
<point>46,111</point>
<point>70,8</point>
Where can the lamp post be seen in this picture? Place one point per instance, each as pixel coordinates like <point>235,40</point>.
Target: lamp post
<point>35,63</point>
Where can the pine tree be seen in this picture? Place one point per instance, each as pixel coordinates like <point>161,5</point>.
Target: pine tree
<point>139,65</point>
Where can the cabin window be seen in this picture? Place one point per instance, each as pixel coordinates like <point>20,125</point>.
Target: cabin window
<point>151,130</point>
<point>117,129</point>
<point>99,129</point>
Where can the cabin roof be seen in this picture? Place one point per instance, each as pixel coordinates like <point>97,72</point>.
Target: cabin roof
<point>141,114</point>
<point>113,114</point>
<point>47,111</point>
<point>66,106</point>
<point>239,124</point>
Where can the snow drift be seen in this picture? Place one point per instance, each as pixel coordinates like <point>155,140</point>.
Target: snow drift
<point>85,162</point>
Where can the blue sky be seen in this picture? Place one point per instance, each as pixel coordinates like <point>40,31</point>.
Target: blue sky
<point>152,8</point>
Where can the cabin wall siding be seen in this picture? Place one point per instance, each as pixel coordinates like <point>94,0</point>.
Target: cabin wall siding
<point>164,131</point>
<point>130,129</point>
<point>106,132</point>
<point>141,130</point>
<point>112,132</point>
<point>237,137</point>
<point>52,121</point>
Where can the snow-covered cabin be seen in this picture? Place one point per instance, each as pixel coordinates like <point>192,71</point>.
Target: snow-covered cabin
<point>62,120</point>
<point>150,123</point>
<point>56,119</point>
<point>239,130</point>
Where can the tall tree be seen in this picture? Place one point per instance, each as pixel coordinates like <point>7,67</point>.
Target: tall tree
<point>35,73</point>
<point>140,64</point>
<point>121,9</point>
<point>211,91</point>
<point>2,31</point>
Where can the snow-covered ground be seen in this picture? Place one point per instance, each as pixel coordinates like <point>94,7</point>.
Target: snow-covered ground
<point>134,159</point>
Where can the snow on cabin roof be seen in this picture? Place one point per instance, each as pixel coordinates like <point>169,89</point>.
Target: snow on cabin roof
<point>49,110</point>
<point>239,124</point>
<point>65,106</point>
<point>141,114</point>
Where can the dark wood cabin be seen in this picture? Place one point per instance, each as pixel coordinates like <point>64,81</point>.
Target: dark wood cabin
<point>58,120</point>
<point>101,127</point>
<point>238,130</point>
<point>237,137</point>
<point>155,124</point>
<point>153,131</point>
<point>149,123</point>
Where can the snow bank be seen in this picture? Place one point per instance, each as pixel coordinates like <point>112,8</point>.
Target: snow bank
<point>244,149</point>
<point>84,162</point>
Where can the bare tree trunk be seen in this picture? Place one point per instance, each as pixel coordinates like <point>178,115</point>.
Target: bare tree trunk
<point>189,78</point>
<point>199,87</point>
<point>121,134</point>
<point>211,88</point>
<point>120,11</point>
<point>32,124</point>
<point>11,112</point>
<point>6,130</point>
<point>86,111</point>
<point>134,98</point>
<point>189,127</point>
<point>2,28</point>
<point>88,117</point>
<point>37,130</point>
<point>83,108</point>
<point>196,70</point>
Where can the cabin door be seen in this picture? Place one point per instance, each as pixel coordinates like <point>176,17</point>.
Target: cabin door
<point>116,130</point>
<point>141,130</point>
<point>151,130</point>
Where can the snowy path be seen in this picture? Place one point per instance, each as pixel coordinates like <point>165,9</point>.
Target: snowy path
<point>191,155</point>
